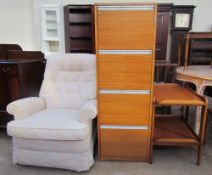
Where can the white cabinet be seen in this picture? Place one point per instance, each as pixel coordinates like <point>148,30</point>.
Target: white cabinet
<point>52,29</point>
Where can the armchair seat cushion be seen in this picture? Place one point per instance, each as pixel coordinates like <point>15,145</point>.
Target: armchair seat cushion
<point>50,124</point>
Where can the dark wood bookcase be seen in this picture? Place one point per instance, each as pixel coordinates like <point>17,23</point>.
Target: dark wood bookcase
<point>79,29</point>
<point>200,48</point>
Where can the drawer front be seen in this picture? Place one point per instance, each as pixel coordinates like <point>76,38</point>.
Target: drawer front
<point>124,109</point>
<point>125,144</point>
<point>119,71</point>
<point>123,28</point>
<point>8,69</point>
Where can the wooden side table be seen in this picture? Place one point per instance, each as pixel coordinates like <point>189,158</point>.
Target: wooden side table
<point>174,130</point>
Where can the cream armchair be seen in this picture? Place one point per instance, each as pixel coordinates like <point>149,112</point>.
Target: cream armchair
<point>55,129</point>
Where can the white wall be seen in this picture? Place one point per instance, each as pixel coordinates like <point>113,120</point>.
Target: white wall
<point>202,13</point>
<point>19,25</point>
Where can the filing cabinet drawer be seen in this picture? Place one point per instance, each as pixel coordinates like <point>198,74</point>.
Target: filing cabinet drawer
<point>124,109</point>
<point>125,144</point>
<point>125,29</point>
<point>8,69</point>
<point>125,71</point>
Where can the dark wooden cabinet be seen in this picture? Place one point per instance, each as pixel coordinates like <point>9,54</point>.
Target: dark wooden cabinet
<point>19,54</point>
<point>163,20</point>
<point>200,48</point>
<point>197,48</point>
<point>79,29</point>
<point>5,47</point>
<point>19,78</point>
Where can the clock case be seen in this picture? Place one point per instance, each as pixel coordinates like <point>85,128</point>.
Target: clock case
<point>188,9</point>
<point>177,32</point>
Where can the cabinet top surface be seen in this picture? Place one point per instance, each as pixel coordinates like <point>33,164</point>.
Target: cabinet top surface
<point>199,35</point>
<point>124,4</point>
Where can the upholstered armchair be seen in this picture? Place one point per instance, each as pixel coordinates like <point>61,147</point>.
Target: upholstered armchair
<point>55,129</point>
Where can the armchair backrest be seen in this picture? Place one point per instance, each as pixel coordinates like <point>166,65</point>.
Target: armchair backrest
<point>69,80</point>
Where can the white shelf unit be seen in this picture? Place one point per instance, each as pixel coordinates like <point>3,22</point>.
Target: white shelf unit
<point>52,29</point>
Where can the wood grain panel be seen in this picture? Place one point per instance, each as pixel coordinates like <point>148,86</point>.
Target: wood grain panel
<point>79,31</point>
<point>174,94</point>
<point>122,109</point>
<point>4,100</point>
<point>125,71</point>
<point>126,29</point>
<point>8,69</point>
<point>14,89</point>
<point>117,144</point>
<point>172,130</point>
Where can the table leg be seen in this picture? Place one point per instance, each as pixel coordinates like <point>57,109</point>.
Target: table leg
<point>200,90</point>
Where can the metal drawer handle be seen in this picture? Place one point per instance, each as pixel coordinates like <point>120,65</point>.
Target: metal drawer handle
<point>124,127</point>
<point>129,7</point>
<point>104,91</point>
<point>129,52</point>
<point>5,69</point>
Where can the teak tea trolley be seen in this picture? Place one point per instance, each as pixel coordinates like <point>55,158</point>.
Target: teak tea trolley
<point>175,130</point>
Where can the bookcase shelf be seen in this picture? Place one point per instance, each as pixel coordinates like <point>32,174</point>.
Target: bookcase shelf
<point>52,29</point>
<point>79,28</point>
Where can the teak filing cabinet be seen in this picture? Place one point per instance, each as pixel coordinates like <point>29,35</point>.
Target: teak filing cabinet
<point>125,48</point>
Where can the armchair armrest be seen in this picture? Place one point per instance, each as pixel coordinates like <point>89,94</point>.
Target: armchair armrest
<point>88,111</point>
<point>25,107</point>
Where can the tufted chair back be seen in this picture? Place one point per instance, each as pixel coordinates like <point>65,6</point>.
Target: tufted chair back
<point>69,80</point>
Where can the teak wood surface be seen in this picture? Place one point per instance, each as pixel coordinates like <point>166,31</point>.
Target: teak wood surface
<point>125,71</point>
<point>171,130</point>
<point>174,94</point>
<point>125,144</point>
<point>125,30</point>
<point>119,109</point>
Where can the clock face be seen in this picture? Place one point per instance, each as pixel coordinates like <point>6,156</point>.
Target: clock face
<point>182,20</point>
